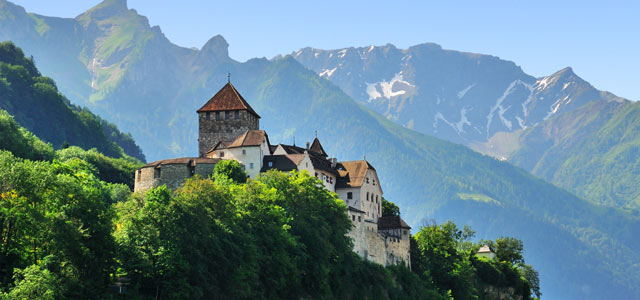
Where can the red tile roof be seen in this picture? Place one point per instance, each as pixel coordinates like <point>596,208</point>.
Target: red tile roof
<point>352,173</point>
<point>227,98</point>
<point>250,138</point>
<point>191,161</point>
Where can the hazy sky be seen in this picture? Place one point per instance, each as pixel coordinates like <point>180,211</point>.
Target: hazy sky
<point>600,40</point>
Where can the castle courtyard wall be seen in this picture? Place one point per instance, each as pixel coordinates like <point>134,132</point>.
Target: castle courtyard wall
<point>171,175</point>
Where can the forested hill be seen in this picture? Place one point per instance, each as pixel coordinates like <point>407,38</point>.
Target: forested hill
<point>67,231</point>
<point>36,104</point>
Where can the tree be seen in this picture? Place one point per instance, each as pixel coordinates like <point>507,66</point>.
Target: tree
<point>439,260</point>
<point>531,275</point>
<point>508,249</point>
<point>389,208</point>
<point>230,169</point>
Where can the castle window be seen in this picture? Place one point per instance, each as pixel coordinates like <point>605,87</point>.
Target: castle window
<point>236,114</point>
<point>250,165</point>
<point>217,115</point>
<point>374,182</point>
<point>349,195</point>
<point>405,232</point>
<point>359,220</point>
<point>270,164</point>
<point>376,198</point>
<point>367,196</point>
<point>192,171</point>
<point>367,179</point>
<point>156,173</point>
<point>221,153</point>
<point>227,115</point>
<point>207,115</point>
<point>330,179</point>
<point>244,151</point>
<point>316,174</point>
<point>353,218</point>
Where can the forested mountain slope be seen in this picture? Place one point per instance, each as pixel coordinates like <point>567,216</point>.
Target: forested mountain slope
<point>593,151</point>
<point>36,104</point>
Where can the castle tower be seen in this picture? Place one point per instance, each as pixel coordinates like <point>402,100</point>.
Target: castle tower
<point>224,118</point>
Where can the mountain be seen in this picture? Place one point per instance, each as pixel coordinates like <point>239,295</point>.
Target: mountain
<point>35,103</point>
<point>132,75</point>
<point>492,106</point>
<point>591,151</point>
<point>462,97</point>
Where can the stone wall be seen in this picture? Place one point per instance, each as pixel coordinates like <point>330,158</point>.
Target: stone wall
<point>144,179</point>
<point>171,175</point>
<point>213,130</point>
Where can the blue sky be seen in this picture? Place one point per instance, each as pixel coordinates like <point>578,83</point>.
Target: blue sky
<point>600,40</point>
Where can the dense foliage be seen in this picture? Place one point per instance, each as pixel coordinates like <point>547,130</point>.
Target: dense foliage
<point>24,144</point>
<point>444,254</point>
<point>230,169</point>
<point>36,104</point>
<point>389,208</point>
<point>67,234</point>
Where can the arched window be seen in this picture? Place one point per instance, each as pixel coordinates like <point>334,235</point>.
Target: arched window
<point>367,196</point>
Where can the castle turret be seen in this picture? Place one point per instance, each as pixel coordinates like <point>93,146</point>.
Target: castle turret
<point>224,118</point>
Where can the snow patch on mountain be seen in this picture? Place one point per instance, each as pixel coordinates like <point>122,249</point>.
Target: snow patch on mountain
<point>463,121</point>
<point>500,109</point>
<point>342,53</point>
<point>458,127</point>
<point>327,72</point>
<point>464,91</point>
<point>395,87</point>
<point>525,104</point>
<point>372,91</point>
<point>555,106</point>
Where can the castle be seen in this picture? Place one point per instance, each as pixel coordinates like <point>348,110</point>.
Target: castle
<point>229,129</point>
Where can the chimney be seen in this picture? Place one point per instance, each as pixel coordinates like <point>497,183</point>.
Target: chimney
<point>334,162</point>
<point>308,146</point>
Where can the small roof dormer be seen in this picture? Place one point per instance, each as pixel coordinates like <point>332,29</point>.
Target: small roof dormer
<point>227,98</point>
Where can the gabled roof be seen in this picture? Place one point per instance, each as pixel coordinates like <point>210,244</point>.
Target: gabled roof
<point>285,163</point>
<point>392,222</point>
<point>292,149</point>
<point>353,173</point>
<point>319,161</point>
<point>227,98</point>
<point>191,161</point>
<point>317,148</point>
<point>220,145</point>
<point>250,138</point>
